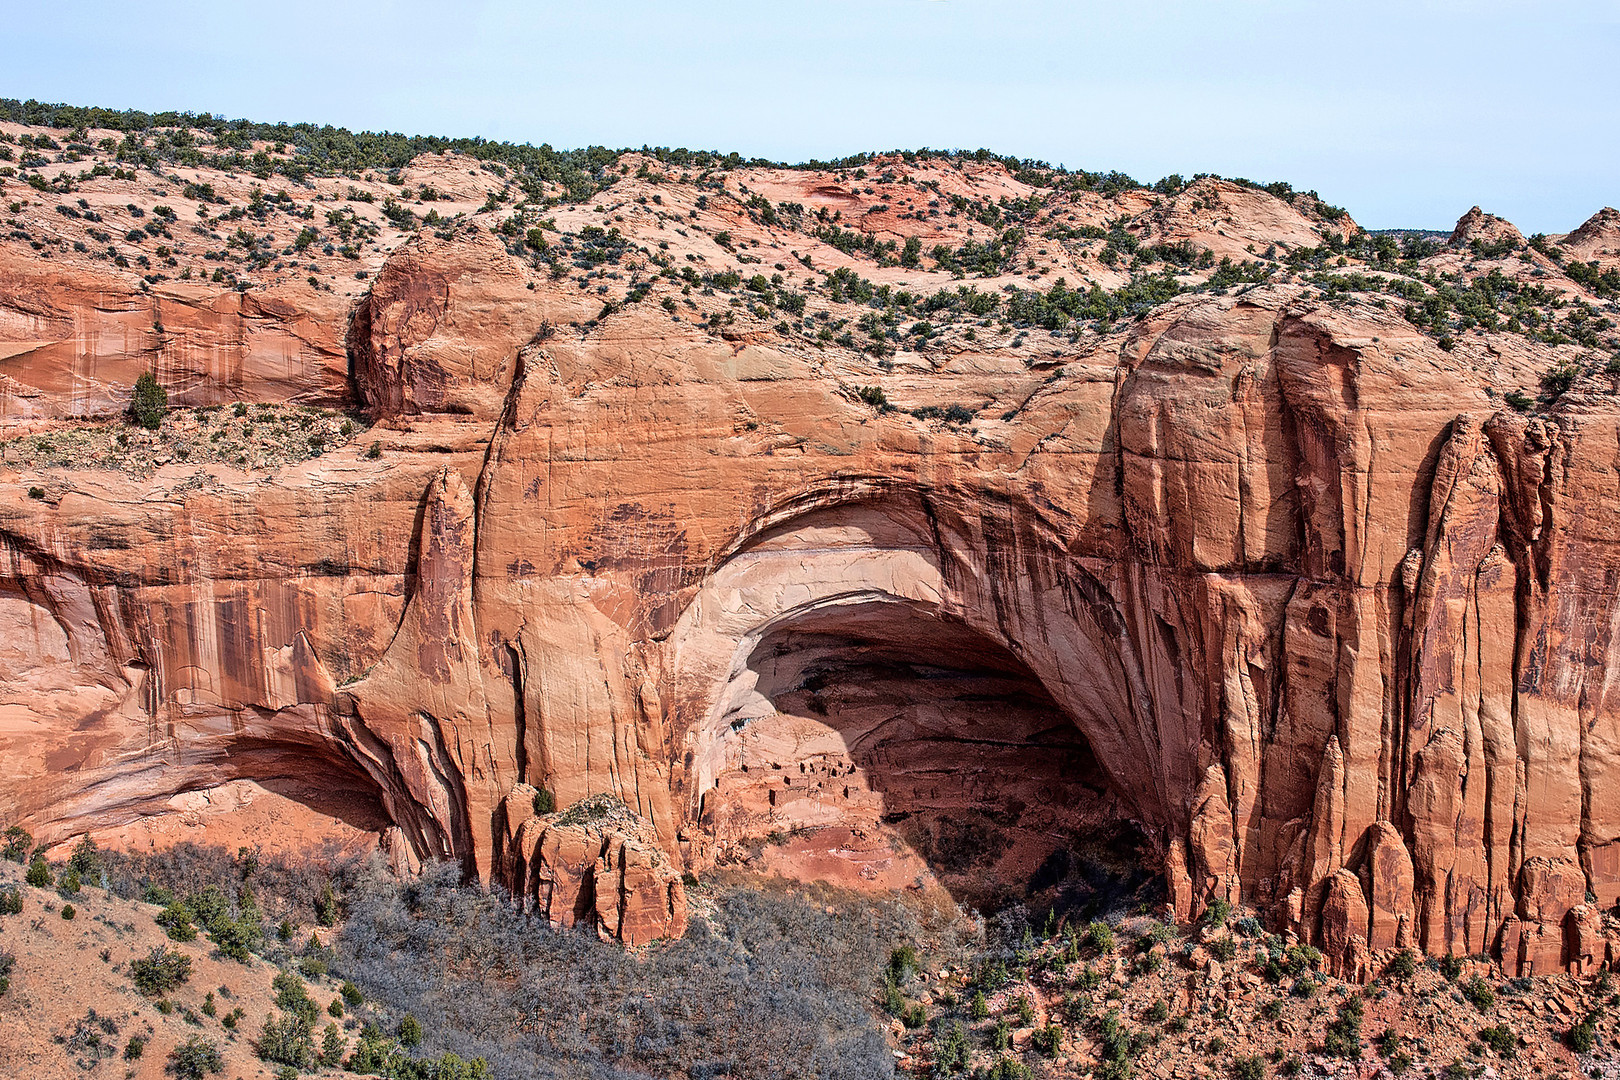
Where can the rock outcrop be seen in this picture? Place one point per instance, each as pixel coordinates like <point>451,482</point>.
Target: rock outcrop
<point>1597,240</point>
<point>1477,225</point>
<point>595,863</point>
<point>1274,574</point>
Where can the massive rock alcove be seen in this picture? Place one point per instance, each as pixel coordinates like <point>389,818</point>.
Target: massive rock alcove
<point>910,737</point>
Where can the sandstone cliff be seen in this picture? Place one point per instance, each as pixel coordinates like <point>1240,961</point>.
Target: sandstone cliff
<point>1295,562</point>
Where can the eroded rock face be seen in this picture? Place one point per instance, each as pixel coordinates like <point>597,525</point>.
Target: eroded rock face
<point>1274,577</point>
<point>595,863</point>
<point>74,340</point>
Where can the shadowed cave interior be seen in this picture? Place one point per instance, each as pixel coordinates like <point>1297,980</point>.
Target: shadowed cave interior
<point>881,743</point>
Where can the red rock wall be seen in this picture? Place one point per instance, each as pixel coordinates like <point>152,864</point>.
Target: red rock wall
<point>1338,628</point>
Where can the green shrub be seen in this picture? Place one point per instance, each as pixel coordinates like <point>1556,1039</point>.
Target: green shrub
<point>1100,936</point>
<point>332,1044</point>
<point>1583,1036</point>
<point>1500,1039</point>
<point>293,998</point>
<point>327,907</point>
<point>195,1059</point>
<point>236,938</point>
<point>39,873</point>
<point>287,1040</point>
<point>903,965</point>
<point>951,1051</point>
<point>1223,949</point>
<point>68,912</point>
<point>873,396</point>
<point>160,971</point>
<point>1024,1009</point>
<point>1402,966</point>
<point>1343,1035</point>
<point>11,901</point>
<point>978,1008</point>
<point>410,1031</point>
<point>352,997</point>
<point>1479,993</point>
<point>1007,1069</point>
<point>1560,378</point>
<point>335,1009</point>
<point>18,844</point>
<point>1252,1067</point>
<point>86,858</point>
<point>176,921</point>
<point>134,1048</point>
<point>544,802</point>
<point>1113,1048</point>
<point>1048,1039</point>
<point>1451,967</point>
<point>149,404</point>
<point>1217,913</point>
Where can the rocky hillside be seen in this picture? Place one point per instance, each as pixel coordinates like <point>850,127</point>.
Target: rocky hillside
<point>96,986</point>
<point>914,517</point>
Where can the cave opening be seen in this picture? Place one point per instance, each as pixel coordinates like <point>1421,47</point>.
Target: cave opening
<point>878,742</point>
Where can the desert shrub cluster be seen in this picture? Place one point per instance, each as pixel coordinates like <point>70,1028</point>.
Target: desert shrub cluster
<point>768,985</point>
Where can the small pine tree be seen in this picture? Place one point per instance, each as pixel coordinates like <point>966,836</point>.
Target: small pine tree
<point>326,907</point>
<point>18,841</point>
<point>332,1046</point>
<point>287,1040</point>
<point>86,857</point>
<point>195,1059</point>
<point>39,873</point>
<point>149,404</point>
<point>160,971</point>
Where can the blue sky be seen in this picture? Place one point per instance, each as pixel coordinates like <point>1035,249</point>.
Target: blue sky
<point>1405,113</point>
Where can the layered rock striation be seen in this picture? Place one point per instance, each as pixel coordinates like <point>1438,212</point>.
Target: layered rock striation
<point>1271,571</point>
